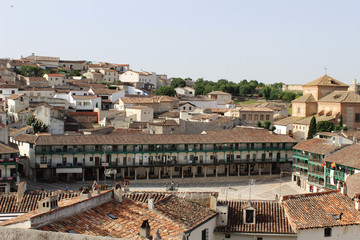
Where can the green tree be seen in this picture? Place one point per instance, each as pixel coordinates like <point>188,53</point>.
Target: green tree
<point>266,92</point>
<point>288,96</point>
<point>267,125</point>
<point>30,71</point>
<point>166,91</point>
<point>259,124</point>
<point>312,128</point>
<point>177,82</point>
<point>341,121</point>
<point>325,126</point>
<point>37,125</point>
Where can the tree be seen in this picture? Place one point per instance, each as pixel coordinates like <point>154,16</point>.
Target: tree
<point>259,124</point>
<point>37,125</point>
<point>266,92</point>
<point>312,128</point>
<point>30,71</point>
<point>267,125</point>
<point>288,96</point>
<point>341,121</point>
<point>166,91</point>
<point>177,82</point>
<point>325,126</point>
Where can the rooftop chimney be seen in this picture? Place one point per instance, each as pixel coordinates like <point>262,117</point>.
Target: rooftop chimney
<point>344,189</point>
<point>357,202</point>
<point>118,192</point>
<point>85,194</point>
<point>48,204</point>
<point>145,229</point>
<point>156,235</point>
<point>151,203</point>
<point>20,192</point>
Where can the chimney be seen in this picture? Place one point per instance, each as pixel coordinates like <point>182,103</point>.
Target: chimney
<point>156,235</point>
<point>151,203</point>
<point>118,192</point>
<point>145,230</point>
<point>85,194</point>
<point>344,189</point>
<point>48,204</point>
<point>340,216</point>
<point>20,192</point>
<point>357,202</point>
<point>222,218</point>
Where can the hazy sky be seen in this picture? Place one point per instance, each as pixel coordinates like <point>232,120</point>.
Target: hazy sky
<point>269,40</point>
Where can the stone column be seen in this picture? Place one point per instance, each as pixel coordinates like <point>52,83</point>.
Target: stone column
<point>135,174</point>
<point>159,172</point>
<point>193,172</point>
<point>147,173</point>
<point>238,169</point>
<point>270,168</point>
<point>171,172</point>
<point>249,169</point>
<point>83,175</point>
<point>97,175</point>
<point>259,166</point>
<point>205,168</point>
<point>182,172</point>
<point>123,172</point>
<point>227,170</point>
<point>216,171</point>
<point>68,177</point>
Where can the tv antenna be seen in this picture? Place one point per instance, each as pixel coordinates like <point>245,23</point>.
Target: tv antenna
<point>251,184</point>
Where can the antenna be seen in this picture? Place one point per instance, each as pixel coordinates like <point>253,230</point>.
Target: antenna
<point>251,183</point>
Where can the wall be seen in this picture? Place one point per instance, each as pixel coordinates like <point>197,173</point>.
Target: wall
<point>252,236</point>
<point>348,110</point>
<point>195,234</point>
<point>70,210</point>
<point>340,233</point>
<point>188,127</point>
<point>31,234</point>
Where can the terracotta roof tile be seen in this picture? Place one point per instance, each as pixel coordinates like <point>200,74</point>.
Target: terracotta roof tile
<point>317,145</point>
<point>325,81</point>
<point>317,210</point>
<point>270,218</point>
<point>348,156</point>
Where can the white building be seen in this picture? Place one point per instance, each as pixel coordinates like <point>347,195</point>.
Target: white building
<point>6,90</point>
<point>140,113</point>
<point>185,92</point>
<point>139,77</point>
<point>85,103</point>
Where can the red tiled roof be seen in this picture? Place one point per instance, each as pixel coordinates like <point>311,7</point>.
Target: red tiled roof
<point>5,149</point>
<point>8,201</point>
<point>318,210</point>
<point>55,75</point>
<point>130,216</point>
<point>235,135</point>
<point>270,218</point>
<point>317,145</point>
<point>348,156</point>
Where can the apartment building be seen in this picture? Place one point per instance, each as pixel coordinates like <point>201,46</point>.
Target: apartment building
<point>234,152</point>
<point>8,167</point>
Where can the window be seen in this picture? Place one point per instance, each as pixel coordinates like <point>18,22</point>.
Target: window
<point>357,117</point>
<point>256,117</point>
<point>204,234</point>
<point>327,232</point>
<point>12,91</point>
<point>244,116</point>
<point>0,91</point>
<point>250,117</point>
<point>261,117</point>
<point>227,235</point>
<point>267,117</point>
<point>259,238</point>
<point>298,110</point>
<point>249,216</point>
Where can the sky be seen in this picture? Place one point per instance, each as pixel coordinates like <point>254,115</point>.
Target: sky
<point>269,41</point>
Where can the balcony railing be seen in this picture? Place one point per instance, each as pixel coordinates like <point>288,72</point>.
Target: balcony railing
<point>160,163</point>
<point>9,160</point>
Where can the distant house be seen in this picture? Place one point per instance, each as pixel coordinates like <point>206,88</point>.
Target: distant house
<point>85,103</point>
<point>252,115</point>
<point>52,117</point>
<point>187,107</point>
<point>55,79</point>
<point>95,76</point>
<point>139,77</point>
<point>36,82</point>
<point>79,65</point>
<point>160,104</point>
<point>140,113</point>
<point>185,92</point>
<point>6,90</point>
<point>220,97</point>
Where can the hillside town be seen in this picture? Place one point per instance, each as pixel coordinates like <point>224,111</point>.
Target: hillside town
<point>109,127</point>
